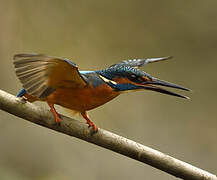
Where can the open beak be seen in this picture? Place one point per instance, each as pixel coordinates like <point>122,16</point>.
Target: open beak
<point>151,85</point>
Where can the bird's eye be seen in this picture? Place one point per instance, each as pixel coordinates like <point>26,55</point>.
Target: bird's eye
<point>133,76</point>
<point>140,79</point>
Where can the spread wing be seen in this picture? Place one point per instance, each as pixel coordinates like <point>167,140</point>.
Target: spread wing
<point>41,74</point>
<point>141,62</point>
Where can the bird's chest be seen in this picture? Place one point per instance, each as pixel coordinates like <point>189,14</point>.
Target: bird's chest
<point>83,99</point>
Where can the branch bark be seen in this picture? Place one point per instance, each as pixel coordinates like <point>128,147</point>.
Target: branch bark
<point>103,138</point>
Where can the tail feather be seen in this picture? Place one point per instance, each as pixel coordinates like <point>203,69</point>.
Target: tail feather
<point>21,93</point>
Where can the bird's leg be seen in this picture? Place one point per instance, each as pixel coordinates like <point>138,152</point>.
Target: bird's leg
<point>53,110</point>
<point>89,122</point>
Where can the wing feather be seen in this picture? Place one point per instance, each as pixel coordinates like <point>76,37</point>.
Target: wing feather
<point>141,62</point>
<point>41,74</point>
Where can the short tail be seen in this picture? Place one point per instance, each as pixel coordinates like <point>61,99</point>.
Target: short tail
<point>21,93</point>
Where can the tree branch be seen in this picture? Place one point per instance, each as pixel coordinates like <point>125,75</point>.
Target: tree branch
<point>103,138</point>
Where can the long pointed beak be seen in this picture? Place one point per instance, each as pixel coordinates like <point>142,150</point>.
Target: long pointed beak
<point>150,85</point>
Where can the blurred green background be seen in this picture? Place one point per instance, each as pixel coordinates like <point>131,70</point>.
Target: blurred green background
<point>96,34</point>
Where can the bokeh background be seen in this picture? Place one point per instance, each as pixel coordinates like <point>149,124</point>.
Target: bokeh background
<point>96,34</point>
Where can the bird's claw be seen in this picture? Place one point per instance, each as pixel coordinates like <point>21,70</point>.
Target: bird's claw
<point>56,115</point>
<point>91,124</point>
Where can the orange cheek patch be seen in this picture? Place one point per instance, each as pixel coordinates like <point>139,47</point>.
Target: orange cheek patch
<point>127,81</point>
<point>122,80</point>
<point>145,78</point>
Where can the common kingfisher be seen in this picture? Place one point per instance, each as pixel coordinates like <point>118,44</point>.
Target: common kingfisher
<point>58,81</point>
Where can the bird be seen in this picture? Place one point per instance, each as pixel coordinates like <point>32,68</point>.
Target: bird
<point>58,81</point>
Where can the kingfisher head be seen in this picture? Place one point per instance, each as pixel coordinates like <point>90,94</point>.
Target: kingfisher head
<point>125,76</point>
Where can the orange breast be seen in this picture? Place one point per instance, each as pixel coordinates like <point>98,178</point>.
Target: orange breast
<point>83,99</point>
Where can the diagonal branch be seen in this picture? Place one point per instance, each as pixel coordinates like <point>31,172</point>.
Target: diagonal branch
<point>102,138</point>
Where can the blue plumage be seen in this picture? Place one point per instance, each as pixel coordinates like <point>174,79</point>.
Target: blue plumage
<point>124,87</point>
<point>125,71</point>
<point>21,93</point>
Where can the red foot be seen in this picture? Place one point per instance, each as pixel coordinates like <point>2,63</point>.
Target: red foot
<point>56,115</point>
<point>89,122</point>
